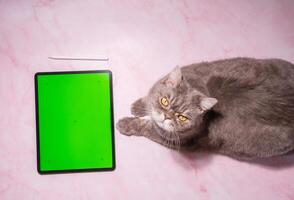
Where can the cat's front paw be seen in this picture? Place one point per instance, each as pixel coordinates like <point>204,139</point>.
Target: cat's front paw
<point>124,126</point>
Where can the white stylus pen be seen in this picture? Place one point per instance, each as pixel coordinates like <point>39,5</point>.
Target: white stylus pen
<point>78,58</point>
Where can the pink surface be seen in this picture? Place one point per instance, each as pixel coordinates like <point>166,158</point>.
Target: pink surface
<point>144,40</point>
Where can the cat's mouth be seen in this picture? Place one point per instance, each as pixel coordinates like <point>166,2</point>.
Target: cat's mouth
<point>166,125</point>
<point>163,123</point>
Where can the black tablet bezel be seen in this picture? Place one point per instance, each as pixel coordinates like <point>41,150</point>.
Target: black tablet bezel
<point>38,129</point>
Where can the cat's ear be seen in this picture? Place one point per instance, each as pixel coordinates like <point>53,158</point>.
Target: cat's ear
<point>174,78</point>
<point>206,103</point>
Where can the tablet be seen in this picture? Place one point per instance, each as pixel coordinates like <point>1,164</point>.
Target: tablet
<point>74,121</point>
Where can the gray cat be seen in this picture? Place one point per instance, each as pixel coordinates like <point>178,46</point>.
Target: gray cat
<point>240,107</point>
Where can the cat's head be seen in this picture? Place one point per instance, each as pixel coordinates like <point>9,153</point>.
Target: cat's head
<point>176,107</point>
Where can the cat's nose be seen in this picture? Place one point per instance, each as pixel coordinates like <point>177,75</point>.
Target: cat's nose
<point>166,116</point>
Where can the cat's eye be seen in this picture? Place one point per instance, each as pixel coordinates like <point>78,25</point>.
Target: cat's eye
<point>182,118</point>
<point>164,101</point>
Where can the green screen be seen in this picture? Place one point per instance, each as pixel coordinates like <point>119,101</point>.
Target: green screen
<point>75,130</point>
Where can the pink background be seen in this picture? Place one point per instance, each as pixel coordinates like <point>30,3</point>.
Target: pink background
<point>144,40</point>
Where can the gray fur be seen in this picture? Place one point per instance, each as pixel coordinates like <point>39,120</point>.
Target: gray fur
<point>241,107</point>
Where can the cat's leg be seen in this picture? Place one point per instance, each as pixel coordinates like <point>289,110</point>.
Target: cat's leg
<point>257,141</point>
<point>274,141</point>
<point>143,127</point>
<point>236,155</point>
<point>139,107</point>
<point>132,126</point>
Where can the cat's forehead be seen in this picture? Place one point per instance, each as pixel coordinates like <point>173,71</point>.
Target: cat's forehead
<point>171,92</point>
<point>164,91</point>
<point>185,101</point>
<point>178,96</point>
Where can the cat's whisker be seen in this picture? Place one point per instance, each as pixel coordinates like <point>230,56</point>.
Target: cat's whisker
<point>166,141</point>
<point>170,144</point>
<point>179,141</point>
<point>177,144</point>
<point>173,143</point>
